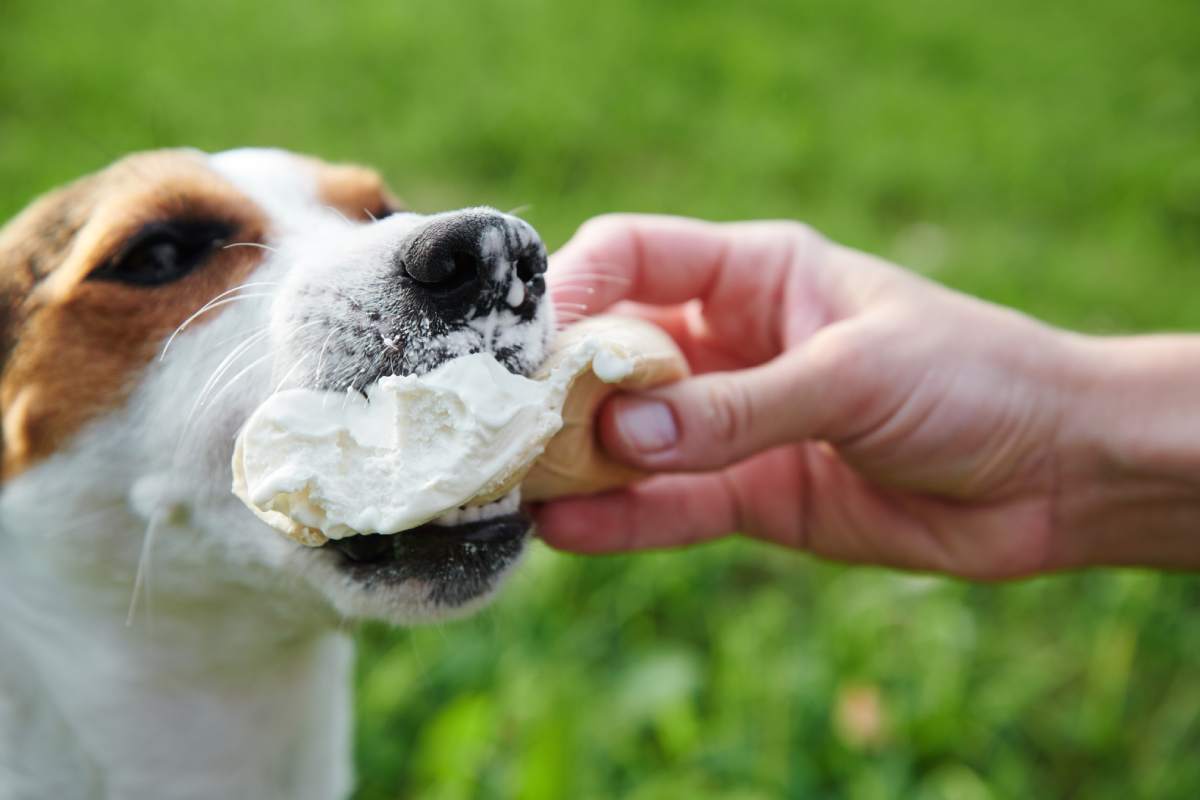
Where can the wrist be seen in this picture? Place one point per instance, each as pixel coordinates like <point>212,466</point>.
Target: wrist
<point>1128,479</point>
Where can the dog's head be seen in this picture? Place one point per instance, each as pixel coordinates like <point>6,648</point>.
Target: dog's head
<point>145,311</point>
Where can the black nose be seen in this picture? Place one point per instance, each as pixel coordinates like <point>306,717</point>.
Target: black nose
<point>475,255</point>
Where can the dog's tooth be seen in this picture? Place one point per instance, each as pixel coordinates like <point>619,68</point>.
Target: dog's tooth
<point>507,504</point>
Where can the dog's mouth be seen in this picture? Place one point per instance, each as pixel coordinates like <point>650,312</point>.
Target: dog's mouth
<point>454,559</point>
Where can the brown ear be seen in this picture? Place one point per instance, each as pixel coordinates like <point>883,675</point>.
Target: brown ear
<point>8,315</point>
<point>355,191</point>
<point>32,244</point>
<point>18,276</point>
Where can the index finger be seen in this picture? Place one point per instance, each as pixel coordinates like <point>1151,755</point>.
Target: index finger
<point>664,260</point>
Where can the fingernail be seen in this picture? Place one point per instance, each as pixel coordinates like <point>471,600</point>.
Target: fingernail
<point>647,426</point>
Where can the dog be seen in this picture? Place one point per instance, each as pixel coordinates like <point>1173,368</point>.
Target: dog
<point>156,639</point>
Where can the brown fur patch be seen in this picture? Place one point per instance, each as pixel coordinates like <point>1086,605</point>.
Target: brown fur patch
<point>357,192</point>
<point>71,348</point>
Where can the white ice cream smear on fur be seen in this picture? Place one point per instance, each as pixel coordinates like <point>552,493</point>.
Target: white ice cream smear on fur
<point>414,449</point>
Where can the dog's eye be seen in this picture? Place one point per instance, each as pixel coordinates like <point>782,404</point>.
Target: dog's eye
<point>162,252</point>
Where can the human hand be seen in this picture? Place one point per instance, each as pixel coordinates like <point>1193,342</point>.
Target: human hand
<point>844,406</point>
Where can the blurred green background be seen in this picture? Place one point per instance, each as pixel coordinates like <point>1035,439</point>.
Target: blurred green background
<point>1043,155</point>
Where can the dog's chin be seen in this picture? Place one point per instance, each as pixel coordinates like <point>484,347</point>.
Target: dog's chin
<point>429,573</point>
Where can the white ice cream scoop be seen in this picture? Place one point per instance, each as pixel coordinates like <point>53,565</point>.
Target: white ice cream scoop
<point>320,465</point>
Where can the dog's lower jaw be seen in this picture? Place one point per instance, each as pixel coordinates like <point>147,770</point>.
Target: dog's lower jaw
<point>234,698</point>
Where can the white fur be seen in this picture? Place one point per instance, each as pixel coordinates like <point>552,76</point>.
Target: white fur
<point>156,640</point>
<point>227,680</point>
<point>284,186</point>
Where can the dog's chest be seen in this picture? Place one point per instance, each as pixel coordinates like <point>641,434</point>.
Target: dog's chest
<point>279,731</point>
<point>40,755</point>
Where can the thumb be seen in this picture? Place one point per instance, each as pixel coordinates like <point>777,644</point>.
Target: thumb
<point>713,420</point>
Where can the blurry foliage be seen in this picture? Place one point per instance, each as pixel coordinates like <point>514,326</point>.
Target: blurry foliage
<point>1044,155</point>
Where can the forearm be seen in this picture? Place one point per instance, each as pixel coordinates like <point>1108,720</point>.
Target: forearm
<point>1128,477</point>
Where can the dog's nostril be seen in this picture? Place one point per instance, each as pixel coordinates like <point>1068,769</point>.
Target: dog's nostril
<point>467,267</point>
<point>530,265</point>
<point>444,272</point>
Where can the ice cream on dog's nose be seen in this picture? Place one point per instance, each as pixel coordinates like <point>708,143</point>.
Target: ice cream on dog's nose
<point>321,465</point>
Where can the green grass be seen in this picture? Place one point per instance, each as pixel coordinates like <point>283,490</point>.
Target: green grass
<point>1044,155</point>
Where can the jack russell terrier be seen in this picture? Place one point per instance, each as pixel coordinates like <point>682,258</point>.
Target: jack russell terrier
<point>156,639</point>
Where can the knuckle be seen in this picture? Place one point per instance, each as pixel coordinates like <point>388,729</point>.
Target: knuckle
<point>730,411</point>
<point>807,244</point>
<point>845,368</point>
<point>803,234</point>
<point>794,242</point>
<point>795,230</point>
<point>800,236</point>
<point>605,227</point>
<point>739,510</point>
<point>608,238</point>
<point>841,357</point>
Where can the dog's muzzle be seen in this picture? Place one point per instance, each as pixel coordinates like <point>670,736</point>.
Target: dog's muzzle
<point>452,284</point>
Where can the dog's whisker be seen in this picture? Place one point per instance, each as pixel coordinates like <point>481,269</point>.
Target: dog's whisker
<point>141,578</point>
<point>236,337</point>
<point>202,397</point>
<point>337,211</point>
<point>518,210</point>
<point>259,245</point>
<point>351,387</point>
<point>209,306</point>
<point>217,373</point>
<point>321,357</point>
<point>367,211</point>
<point>236,377</point>
<point>226,293</point>
<point>246,285</point>
<point>291,372</point>
<point>592,261</point>
<point>553,279</point>
<point>227,362</point>
<point>208,402</point>
<point>570,285</point>
<point>575,288</point>
<point>571,315</point>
